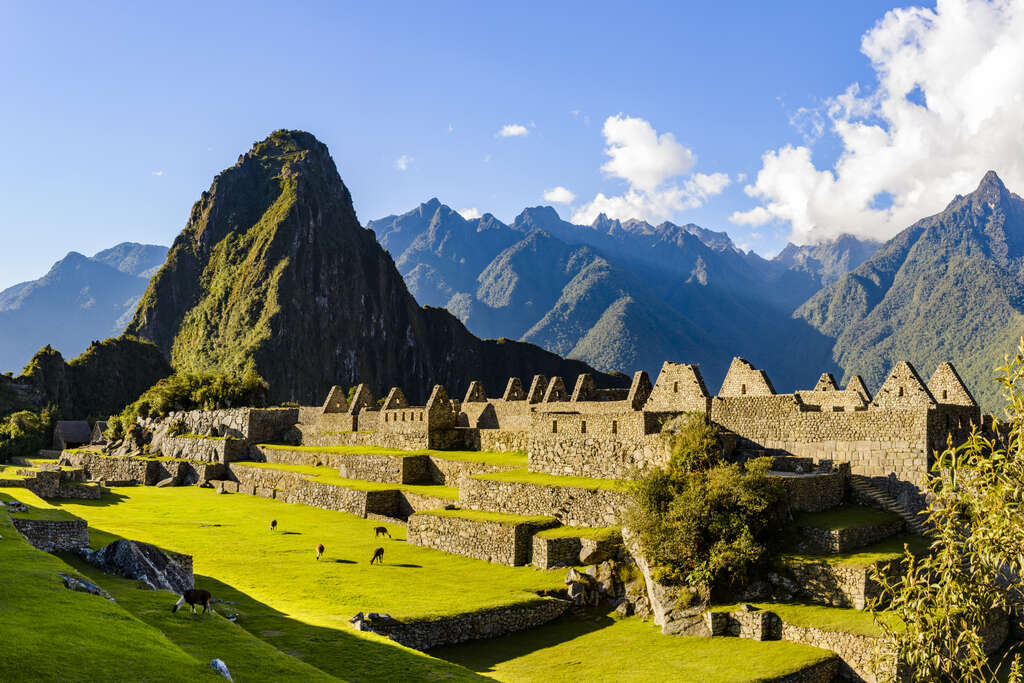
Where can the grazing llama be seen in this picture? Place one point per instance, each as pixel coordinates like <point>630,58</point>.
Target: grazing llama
<point>378,556</point>
<point>381,531</point>
<point>319,550</point>
<point>194,597</point>
<point>273,524</point>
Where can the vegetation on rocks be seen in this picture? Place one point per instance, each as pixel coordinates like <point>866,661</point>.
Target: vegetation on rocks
<point>23,433</point>
<point>701,523</point>
<point>946,597</point>
<point>190,391</point>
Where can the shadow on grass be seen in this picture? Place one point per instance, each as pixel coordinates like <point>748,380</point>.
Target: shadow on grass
<point>482,655</point>
<point>344,561</point>
<point>406,566</point>
<point>291,533</point>
<point>335,651</point>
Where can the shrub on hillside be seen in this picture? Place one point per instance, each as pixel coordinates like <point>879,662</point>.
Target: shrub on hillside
<point>190,391</point>
<point>706,528</point>
<point>23,433</point>
<point>694,444</point>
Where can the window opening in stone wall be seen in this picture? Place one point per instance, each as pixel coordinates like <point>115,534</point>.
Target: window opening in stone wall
<point>900,392</point>
<point>675,387</point>
<point>945,394</point>
<point>743,389</point>
<point>615,426</point>
<point>583,427</point>
<point>421,417</point>
<point>554,426</point>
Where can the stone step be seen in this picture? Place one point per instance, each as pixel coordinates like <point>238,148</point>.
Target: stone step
<point>865,487</point>
<point>490,536</point>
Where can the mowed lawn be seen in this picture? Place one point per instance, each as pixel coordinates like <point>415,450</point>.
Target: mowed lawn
<point>229,538</point>
<point>599,648</point>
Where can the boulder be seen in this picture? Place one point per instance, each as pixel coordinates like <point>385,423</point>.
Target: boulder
<point>221,668</point>
<point>81,585</point>
<point>169,481</point>
<point>665,599</point>
<point>142,561</point>
<point>596,551</point>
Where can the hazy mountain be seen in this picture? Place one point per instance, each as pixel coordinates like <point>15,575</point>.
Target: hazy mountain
<point>949,287</point>
<point>619,295</point>
<point>828,261</point>
<point>274,271</point>
<point>79,300</point>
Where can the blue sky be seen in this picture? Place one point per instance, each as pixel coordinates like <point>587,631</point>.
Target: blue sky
<point>117,116</point>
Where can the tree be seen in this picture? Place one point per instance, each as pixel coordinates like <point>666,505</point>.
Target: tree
<point>945,599</point>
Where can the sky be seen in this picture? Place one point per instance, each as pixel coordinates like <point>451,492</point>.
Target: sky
<point>771,121</point>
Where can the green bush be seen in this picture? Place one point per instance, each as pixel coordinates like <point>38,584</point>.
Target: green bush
<point>707,528</point>
<point>694,443</point>
<point>22,434</point>
<point>190,391</point>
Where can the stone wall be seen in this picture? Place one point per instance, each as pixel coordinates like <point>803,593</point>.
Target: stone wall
<point>570,506</point>
<point>813,492</point>
<point>555,552</point>
<point>856,652</point>
<point>833,585</point>
<point>146,471</point>
<point>490,541</point>
<point>450,472</point>
<point>204,449</point>
<point>398,469</point>
<point>293,487</point>
<point>502,441</point>
<point>257,425</point>
<point>424,635</point>
<point>818,540</point>
<point>53,536</point>
<point>594,454</point>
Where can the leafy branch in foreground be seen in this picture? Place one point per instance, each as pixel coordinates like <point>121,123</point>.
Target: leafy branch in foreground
<point>948,599</point>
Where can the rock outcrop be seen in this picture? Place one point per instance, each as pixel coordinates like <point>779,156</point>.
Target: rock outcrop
<point>274,270</point>
<point>145,562</point>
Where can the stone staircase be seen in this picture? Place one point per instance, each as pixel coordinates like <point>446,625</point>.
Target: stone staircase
<point>864,488</point>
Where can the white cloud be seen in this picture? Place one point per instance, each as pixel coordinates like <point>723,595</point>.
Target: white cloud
<point>946,108</point>
<point>158,173</point>
<point>403,162</point>
<point>652,164</point>
<point>450,128</point>
<point>513,130</point>
<point>469,214</point>
<point>559,195</point>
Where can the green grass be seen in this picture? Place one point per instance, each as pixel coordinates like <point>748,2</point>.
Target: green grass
<point>500,459</point>
<point>523,476</point>
<point>847,620</point>
<point>11,472</point>
<point>53,634</point>
<point>329,475</point>
<point>228,536</point>
<point>846,517</point>
<point>599,648</point>
<point>884,551</point>
<point>44,514</point>
<point>495,517</point>
<point>606,533</point>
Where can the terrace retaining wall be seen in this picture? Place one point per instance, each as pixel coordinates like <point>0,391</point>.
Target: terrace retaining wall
<point>570,506</point>
<point>490,541</point>
<point>424,635</point>
<point>53,535</point>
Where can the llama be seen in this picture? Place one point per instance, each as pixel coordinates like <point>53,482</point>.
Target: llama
<point>378,556</point>
<point>319,550</point>
<point>194,597</point>
<point>381,531</point>
<point>273,524</point>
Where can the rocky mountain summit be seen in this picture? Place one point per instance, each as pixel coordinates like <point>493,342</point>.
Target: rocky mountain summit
<point>949,287</point>
<point>274,271</point>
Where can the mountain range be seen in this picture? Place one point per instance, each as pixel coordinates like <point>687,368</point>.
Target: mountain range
<point>273,270</point>
<point>79,300</point>
<point>621,295</point>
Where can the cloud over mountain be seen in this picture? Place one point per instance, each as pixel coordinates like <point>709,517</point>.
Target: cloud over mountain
<point>653,165</point>
<point>946,108</point>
